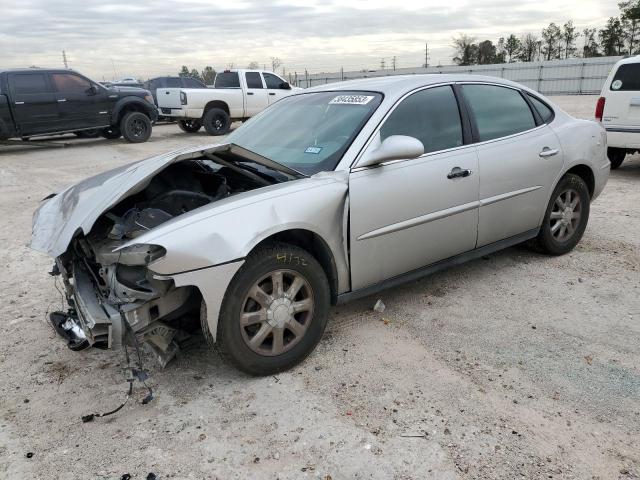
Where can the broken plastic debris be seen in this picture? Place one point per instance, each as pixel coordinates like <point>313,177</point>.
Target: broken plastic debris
<point>379,306</point>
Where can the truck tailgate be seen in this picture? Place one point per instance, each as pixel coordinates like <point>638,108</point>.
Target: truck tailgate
<point>169,98</point>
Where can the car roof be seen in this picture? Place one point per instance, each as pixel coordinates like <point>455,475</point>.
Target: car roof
<point>624,61</point>
<point>397,85</point>
<point>37,70</point>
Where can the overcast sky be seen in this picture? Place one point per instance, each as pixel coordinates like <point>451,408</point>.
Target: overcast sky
<point>144,38</point>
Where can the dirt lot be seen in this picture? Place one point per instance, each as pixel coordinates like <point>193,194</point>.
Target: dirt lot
<point>513,366</point>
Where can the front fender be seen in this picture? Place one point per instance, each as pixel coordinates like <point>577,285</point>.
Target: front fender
<point>140,104</point>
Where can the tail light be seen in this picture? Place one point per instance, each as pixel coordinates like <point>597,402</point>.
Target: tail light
<point>183,98</point>
<point>600,108</point>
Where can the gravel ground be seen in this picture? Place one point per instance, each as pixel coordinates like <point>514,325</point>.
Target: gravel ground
<point>514,365</point>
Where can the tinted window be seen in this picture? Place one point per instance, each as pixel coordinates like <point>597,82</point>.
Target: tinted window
<point>498,111</point>
<point>192,83</point>
<point>68,83</point>
<point>253,80</point>
<point>431,116</point>
<point>627,78</point>
<point>27,83</point>
<point>545,112</point>
<point>272,81</point>
<point>227,80</point>
<point>173,82</point>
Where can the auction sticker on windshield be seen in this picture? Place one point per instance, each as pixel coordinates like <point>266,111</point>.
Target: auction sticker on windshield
<point>351,100</point>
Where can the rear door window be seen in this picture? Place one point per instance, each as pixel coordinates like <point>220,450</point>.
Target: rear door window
<point>431,116</point>
<point>253,80</point>
<point>29,83</point>
<point>498,111</point>
<point>627,78</point>
<point>227,80</point>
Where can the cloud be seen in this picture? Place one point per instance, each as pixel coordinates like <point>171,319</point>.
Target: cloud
<point>148,37</point>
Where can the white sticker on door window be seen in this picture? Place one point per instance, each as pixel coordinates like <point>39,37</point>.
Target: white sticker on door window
<point>351,100</point>
<point>617,85</point>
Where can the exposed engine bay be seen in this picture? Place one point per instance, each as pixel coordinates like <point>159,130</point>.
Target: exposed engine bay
<point>113,297</point>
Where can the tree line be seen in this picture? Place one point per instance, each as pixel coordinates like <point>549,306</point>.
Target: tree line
<point>620,36</point>
<point>208,75</point>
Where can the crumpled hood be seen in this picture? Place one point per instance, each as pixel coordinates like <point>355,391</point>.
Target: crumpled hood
<point>75,209</point>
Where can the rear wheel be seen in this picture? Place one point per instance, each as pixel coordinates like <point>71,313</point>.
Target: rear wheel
<point>135,127</point>
<point>190,126</point>
<point>616,156</point>
<point>566,217</point>
<point>111,133</point>
<point>274,311</point>
<point>216,121</point>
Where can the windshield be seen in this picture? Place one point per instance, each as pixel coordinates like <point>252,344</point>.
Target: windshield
<point>309,132</point>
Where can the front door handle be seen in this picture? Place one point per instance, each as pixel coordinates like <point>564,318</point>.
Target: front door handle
<point>458,172</point>
<point>62,100</point>
<point>19,103</point>
<point>249,93</point>
<point>548,152</point>
<point>271,93</point>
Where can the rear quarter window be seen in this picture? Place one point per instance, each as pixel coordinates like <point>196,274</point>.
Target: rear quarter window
<point>542,108</point>
<point>227,80</point>
<point>626,78</point>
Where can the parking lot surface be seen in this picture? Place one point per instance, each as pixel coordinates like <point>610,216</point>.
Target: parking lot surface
<point>517,365</point>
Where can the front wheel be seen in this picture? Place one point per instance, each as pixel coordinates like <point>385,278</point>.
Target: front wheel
<point>190,126</point>
<point>216,121</point>
<point>135,127</point>
<point>566,216</point>
<point>274,311</point>
<point>616,156</point>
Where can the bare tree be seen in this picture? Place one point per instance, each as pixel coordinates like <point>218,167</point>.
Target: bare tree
<point>551,41</point>
<point>528,48</point>
<point>590,48</point>
<point>275,63</point>
<point>466,50</point>
<point>253,66</point>
<point>569,37</point>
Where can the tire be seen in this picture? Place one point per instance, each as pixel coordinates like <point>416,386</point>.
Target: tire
<point>561,230</point>
<point>135,127</point>
<point>616,156</point>
<point>190,126</point>
<point>216,121</point>
<point>93,133</point>
<point>268,356</point>
<point>111,133</point>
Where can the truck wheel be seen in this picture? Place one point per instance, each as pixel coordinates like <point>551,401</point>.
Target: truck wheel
<point>274,311</point>
<point>616,156</point>
<point>93,133</point>
<point>135,127</point>
<point>190,126</point>
<point>111,133</point>
<point>216,121</point>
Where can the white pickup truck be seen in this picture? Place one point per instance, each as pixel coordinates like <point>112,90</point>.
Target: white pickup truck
<point>236,95</point>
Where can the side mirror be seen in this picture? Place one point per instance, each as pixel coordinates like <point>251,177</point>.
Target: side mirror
<point>92,90</point>
<point>285,86</point>
<point>395,147</point>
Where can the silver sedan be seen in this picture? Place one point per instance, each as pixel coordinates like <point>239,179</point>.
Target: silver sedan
<point>328,195</point>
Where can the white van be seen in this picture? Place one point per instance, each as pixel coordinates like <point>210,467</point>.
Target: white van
<point>618,109</point>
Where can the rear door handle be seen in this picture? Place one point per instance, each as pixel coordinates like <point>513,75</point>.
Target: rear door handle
<point>548,152</point>
<point>458,172</point>
<point>271,93</point>
<point>62,100</point>
<point>249,93</point>
<point>19,103</point>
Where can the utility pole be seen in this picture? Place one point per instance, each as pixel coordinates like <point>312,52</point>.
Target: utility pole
<point>64,59</point>
<point>426,55</point>
<point>382,64</point>
<point>393,63</point>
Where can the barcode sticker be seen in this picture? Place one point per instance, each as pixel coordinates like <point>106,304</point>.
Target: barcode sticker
<point>351,100</point>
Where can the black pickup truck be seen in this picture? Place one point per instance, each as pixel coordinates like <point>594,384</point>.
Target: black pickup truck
<point>38,101</point>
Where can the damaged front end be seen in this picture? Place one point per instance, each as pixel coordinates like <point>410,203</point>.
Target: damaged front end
<point>114,298</point>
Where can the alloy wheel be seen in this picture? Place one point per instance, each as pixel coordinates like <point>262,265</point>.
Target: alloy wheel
<point>276,312</point>
<point>565,215</point>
